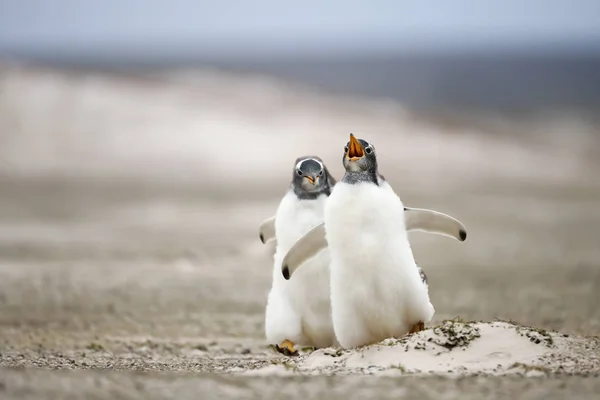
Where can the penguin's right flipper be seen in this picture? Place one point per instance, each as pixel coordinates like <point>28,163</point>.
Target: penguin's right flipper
<point>305,248</point>
<point>422,219</point>
<point>267,230</point>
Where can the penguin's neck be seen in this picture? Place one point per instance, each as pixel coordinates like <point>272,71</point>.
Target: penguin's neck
<point>353,178</point>
<point>304,195</point>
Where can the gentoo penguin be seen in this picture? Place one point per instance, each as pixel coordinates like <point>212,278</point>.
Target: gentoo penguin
<point>376,288</point>
<point>302,205</point>
<point>298,312</point>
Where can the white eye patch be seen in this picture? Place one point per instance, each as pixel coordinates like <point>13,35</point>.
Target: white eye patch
<point>307,159</point>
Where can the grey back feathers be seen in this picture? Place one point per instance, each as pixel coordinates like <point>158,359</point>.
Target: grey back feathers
<point>311,178</point>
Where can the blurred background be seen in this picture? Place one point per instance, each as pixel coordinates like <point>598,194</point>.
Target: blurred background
<point>142,143</point>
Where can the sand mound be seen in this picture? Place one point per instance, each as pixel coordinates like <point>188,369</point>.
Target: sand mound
<point>457,348</point>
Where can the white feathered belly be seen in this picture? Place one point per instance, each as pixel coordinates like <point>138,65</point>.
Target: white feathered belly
<point>376,290</point>
<point>308,291</point>
<point>299,309</point>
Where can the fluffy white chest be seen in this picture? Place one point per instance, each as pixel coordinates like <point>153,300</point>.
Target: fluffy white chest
<point>295,217</point>
<point>363,220</point>
<point>299,309</point>
<point>376,290</point>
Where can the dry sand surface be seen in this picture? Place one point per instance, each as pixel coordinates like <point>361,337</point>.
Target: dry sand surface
<point>130,264</point>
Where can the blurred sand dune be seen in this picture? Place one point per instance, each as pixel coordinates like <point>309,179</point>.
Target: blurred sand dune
<point>204,127</point>
<point>215,135</point>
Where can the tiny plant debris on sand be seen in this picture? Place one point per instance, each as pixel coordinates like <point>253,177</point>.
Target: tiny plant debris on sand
<point>420,346</point>
<point>289,365</point>
<point>334,352</point>
<point>528,368</point>
<point>401,367</point>
<point>95,346</point>
<point>535,335</point>
<point>454,333</point>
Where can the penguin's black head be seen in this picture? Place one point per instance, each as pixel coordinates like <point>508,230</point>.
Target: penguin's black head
<point>311,178</point>
<point>359,158</point>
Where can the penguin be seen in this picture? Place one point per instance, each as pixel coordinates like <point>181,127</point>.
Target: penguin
<point>302,205</point>
<point>298,312</point>
<point>376,288</point>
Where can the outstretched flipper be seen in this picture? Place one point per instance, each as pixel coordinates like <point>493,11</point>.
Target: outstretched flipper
<point>420,219</point>
<point>305,248</point>
<point>267,230</point>
<point>416,219</point>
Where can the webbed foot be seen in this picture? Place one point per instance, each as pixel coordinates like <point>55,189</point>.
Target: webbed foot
<point>418,327</point>
<point>287,348</point>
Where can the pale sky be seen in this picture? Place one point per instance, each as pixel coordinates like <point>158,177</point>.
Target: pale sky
<point>277,25</point>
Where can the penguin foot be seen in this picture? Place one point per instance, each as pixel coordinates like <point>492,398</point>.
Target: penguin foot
<point>287,348</point>
<point>418,327</point>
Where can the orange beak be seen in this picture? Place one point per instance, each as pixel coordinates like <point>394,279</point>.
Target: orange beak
<point>355,150</point>
<point>311,179</point>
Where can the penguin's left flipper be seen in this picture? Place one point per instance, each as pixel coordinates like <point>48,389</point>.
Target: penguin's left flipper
<point>422,219</point>
<point>266,230</point>
<point>287,348</point>
<point>304,249</point>
<point>416,219</point>
<point>418,327</point>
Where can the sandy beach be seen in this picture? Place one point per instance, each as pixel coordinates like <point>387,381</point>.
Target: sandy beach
<point>130,263</point>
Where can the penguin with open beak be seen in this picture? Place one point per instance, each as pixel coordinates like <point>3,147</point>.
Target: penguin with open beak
<point>293,317</point>
<point>376,289</point>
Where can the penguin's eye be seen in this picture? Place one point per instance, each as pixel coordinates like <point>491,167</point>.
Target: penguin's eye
<point>321,173</point>
<point>368,150</point>
<point>346,149</point>
<point>299,172</point>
